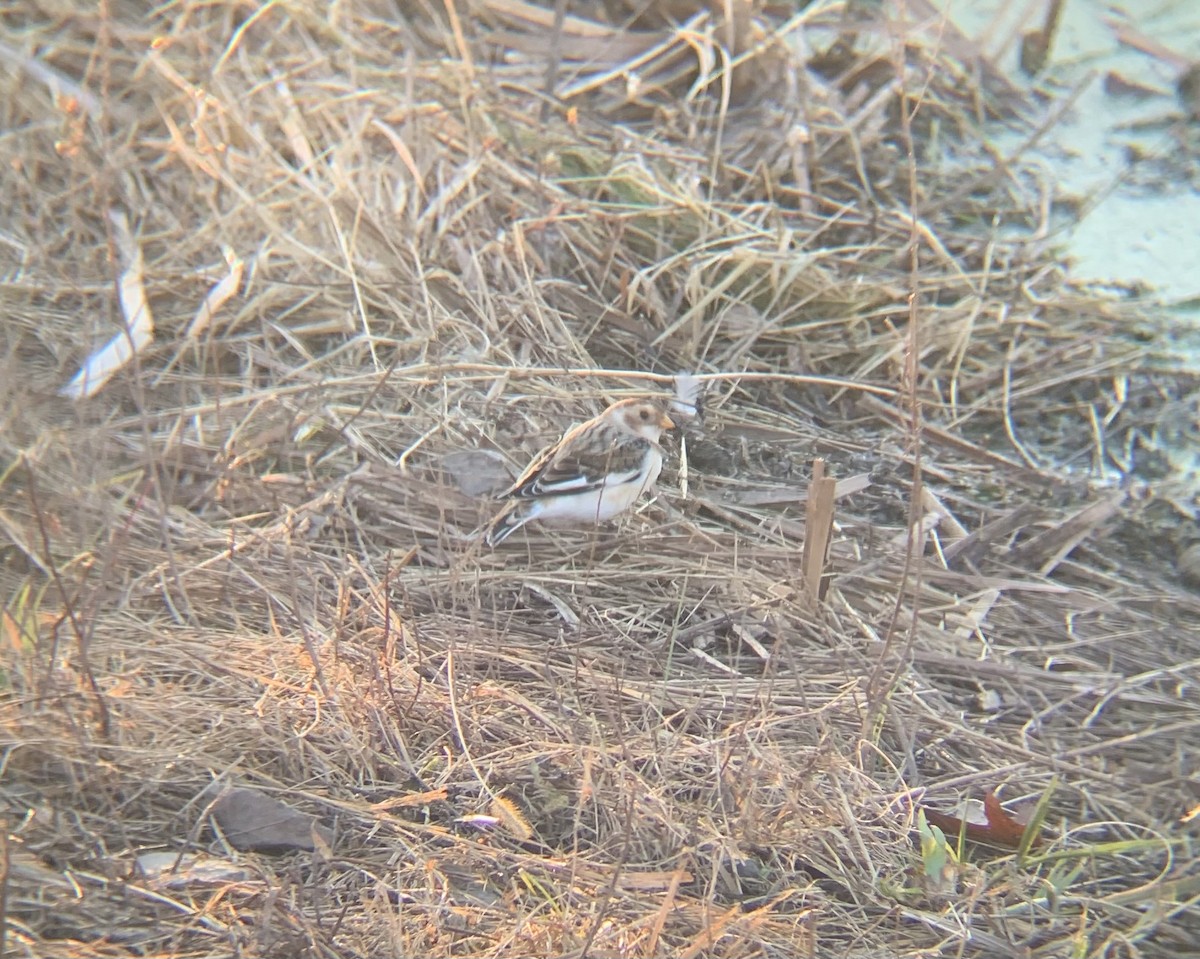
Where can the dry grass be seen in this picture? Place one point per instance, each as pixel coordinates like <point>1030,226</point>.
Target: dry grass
<point>246,559</point>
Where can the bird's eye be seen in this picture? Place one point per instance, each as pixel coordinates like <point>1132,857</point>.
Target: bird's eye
<point>644,414</point>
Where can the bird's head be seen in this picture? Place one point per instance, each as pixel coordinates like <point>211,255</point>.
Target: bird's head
<point>643,418</point>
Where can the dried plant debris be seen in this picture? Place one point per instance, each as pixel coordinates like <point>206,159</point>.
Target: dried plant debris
<point>477,472</point>
<point>138,323</point>
<point>250,820</point>
<point>391,257</point>
<point>987,822</point>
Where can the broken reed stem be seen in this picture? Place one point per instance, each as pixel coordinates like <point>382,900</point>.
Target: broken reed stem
<point>818,531</point>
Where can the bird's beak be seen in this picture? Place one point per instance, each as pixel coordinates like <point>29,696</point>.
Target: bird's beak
<point>667,423</point>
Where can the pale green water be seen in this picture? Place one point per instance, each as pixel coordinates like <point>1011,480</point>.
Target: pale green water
<point>1141,221</point>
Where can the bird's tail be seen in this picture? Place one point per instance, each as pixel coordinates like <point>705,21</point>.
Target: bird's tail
<point>505,523</point>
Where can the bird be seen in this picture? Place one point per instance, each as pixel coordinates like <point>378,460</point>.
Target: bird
<point>596,471</point>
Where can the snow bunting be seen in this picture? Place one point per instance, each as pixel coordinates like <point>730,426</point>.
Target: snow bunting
<point>596,471</point>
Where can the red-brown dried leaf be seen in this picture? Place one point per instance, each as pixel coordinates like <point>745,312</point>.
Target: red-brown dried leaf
<point>1000,829</point>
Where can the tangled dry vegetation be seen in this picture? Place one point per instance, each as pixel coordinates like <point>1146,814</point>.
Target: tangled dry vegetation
<point>442,232</point>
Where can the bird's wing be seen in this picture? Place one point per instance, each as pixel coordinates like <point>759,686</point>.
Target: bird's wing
<point>577,465</point>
